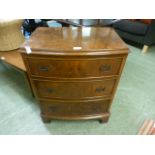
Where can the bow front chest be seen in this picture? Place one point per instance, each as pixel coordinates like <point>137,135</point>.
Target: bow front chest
<point>74,72</point>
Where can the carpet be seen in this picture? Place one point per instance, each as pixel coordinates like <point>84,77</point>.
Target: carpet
<point>133,103</point>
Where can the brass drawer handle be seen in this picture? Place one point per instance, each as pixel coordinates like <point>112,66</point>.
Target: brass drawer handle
<point>100,89</point>
<point>43,68</point>
<point>105,68</point>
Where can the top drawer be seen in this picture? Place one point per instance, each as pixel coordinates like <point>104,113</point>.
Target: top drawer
<point>77,68</point>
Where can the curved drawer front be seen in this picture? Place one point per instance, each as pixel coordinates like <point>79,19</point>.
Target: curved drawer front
<point>81,68</point>
<point>74,90</point>
<point>64,109</point>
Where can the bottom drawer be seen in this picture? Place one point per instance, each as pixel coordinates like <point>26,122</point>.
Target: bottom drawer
<point>74,108</point>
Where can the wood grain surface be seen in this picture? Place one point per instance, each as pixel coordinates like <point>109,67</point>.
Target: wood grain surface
<point>74,72</point>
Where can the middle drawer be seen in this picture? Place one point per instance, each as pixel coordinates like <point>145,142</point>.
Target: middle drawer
<point>74,89</point>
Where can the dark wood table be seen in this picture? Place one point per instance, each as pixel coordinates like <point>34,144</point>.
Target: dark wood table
<point>87,22</point>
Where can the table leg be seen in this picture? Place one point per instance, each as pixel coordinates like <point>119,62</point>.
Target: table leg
<point>29,83</point>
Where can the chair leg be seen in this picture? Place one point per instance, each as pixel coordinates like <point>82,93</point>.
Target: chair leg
<point>145,49</point>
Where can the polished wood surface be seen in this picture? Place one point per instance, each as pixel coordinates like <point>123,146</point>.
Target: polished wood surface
<point>75,89</point>
<point>13,58</point>
<point>75,84</point>
<point>74,67</point>
<point>90,40</point>
<point>74,108</point>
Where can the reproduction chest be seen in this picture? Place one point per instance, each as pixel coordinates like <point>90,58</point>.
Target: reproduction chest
<point>74,72</point>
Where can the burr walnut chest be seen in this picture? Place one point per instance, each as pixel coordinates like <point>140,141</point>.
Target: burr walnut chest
<point>74,72</point>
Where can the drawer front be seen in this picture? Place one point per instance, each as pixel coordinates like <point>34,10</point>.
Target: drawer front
<point>74,68</point>
<point>74,90</point>
<point>61,108</point>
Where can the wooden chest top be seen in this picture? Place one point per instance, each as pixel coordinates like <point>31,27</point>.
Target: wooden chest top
<point>76,41</point>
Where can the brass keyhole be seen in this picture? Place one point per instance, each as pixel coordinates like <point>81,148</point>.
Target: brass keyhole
<point>100,89</point>
<point>105,68</point>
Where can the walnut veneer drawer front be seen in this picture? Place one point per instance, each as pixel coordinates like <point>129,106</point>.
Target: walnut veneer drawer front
<point>81,68</point>
<point>74,71</point>
<point>74,90</point>
<point>62,109</point>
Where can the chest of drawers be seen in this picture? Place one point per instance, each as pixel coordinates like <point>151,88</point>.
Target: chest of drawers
<point>74,72</point>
